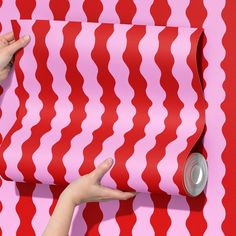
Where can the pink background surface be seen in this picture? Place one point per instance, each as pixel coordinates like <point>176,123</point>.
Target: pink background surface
<point>27,209</point>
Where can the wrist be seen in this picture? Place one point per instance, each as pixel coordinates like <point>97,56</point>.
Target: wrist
<point>68,196</point>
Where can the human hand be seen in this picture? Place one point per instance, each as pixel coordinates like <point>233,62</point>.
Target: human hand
<point>87,188</point>
<point>8,47</point>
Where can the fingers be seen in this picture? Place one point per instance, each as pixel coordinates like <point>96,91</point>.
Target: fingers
<point>117,194</point>
<point>15,46</point>
<point>4,73</point>
<point>8,36</point>
<point>11,42</point>
<point>100,171</point>
<point>3,42</point>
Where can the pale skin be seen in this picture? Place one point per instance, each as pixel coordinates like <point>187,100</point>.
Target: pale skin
<point>86,188</point>
<point>8,47</point>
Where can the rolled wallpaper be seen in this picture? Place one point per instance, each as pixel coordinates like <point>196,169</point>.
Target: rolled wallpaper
<point>89,91</point>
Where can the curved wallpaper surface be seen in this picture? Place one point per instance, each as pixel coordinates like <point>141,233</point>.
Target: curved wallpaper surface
<point>138,85</point>
<point>27,207</point>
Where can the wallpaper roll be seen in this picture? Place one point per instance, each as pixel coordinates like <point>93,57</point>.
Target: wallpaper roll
<point>89,91</point>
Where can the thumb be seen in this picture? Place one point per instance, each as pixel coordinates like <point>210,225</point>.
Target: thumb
<point>101,170</point>
<point>20,43</point>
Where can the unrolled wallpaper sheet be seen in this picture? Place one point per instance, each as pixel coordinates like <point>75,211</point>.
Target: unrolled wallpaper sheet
<point>139,88</point>
<point>25,208</point>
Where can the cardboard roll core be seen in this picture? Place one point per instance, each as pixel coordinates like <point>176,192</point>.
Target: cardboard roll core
<point>195,174</point>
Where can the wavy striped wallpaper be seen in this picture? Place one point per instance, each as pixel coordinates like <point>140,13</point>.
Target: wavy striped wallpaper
<point>26,208</point>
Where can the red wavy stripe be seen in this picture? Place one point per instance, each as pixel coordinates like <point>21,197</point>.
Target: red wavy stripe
<point>160,220</point>
<point>126,10</point>
<point>92,9</point>
<point>229,127</point>
<point>93,216</point>
<point>48,98</point>
<point>25,202</point>
<point>59,10</point>
<point>26,9</point>
<point>160,11</point>
<point>101,57</point>
<point>142,103</point>
<point>25,209</point>
<point>173,105</point>
<point>196,204</point>
<point>0,205</point>
<point>77,97</point>
<point>126,217</point>
<point>197,13</point>
<point>21,111</point>
<point>202,65</point>
<point>200,107</point>
<point>56,192</point>
<point>1,89</point>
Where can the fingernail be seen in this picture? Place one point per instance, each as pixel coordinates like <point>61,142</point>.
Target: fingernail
<point>26,37</point>
<point>109,161</point>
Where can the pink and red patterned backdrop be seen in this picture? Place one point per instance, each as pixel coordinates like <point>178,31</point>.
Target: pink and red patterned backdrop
<point>26,208</point>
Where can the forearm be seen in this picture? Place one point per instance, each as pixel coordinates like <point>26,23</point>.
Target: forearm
<point>60,221</point>
<point>86,188</point>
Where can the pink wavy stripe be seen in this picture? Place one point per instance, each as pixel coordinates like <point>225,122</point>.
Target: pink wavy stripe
<point>9,219</point>
<point>32,116</point>
<point>148,48</point>
<point>78,224</point>
<point>9,103</point>
<point>42,199</point>
<point>42,11</point>
<point>120,72</point>
<point>63,108</point>
<point>143,208</point>
<point>22,134</point>
<point>8,10</point>
<point>189,116</point>
<point>183,75</point>
<point>178,15</point>
<point>214,75</point>
<point>109,226</point>
<point>8,99</point>
<point>76,12</point>
<point>69,161</point>
<point>1,203</point>
<point>94,109</point>
<point>109,13</point>
<point>142,15</point>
